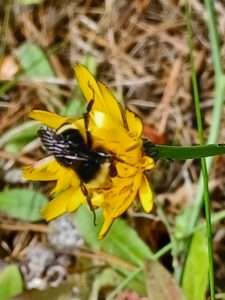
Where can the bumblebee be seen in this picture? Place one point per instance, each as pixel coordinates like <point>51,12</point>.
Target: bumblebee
<point>71,150</point>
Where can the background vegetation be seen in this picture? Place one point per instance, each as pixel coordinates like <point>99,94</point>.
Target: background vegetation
<point>158,57</point>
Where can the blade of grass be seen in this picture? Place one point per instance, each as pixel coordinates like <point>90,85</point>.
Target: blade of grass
<point>204,170</point>
<point>219,89</point>
<point>216,218</point>
<point>124,283</point>
<point>218,107</point>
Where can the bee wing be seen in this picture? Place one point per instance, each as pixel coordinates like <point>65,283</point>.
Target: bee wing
<point>55,144</point>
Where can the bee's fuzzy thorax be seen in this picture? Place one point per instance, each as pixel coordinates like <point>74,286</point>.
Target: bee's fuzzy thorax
<point>69,149</point>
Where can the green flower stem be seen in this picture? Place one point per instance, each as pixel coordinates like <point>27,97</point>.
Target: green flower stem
<point>183,152</point>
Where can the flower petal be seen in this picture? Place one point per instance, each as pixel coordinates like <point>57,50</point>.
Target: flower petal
<point>125,170</point>
<point>50,119</point>
<point>146,194</point>
<point>123,194</point>
<point>106,226</point>
<point>58,205</point>
<point>67,201</point>
<point>88,85</point>
<point>66,178</point>
<point>118,199</point>
<point>109,133</point>
<point>113,107</point>
<point>43,170</point>
<point>76,200</point>
<point>134,123</point>
<point>148,163</point>
<point>95,90</point>
<point>97,199</point>
<point>30,173</point>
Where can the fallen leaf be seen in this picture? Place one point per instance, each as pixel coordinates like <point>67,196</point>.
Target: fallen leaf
<point>8,68</point>
<point>160,284</point>
<point>154,136</point>
<point>128,295</point>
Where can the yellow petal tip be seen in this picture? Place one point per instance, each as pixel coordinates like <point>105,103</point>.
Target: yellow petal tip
<point>34,114</point>
<point>105,227</point>
<point>146,195</point>
<point>47,215</point>
<point>27,172</point>
<point>78,68</point>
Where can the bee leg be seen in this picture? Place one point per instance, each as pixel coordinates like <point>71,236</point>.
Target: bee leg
<point>88,198</point>
<point>86,123</point>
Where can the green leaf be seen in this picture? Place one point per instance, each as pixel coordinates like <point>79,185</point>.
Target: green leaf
<point>195,279</point>
<point>34,61</point>
<point>14,148</point>
<point>75,107</point>
<point>121,241</point>
<point>16,138</point>
<point>26,134</point>
<point>11,283</point>
<point>23,204</point>
<point>21,133</point>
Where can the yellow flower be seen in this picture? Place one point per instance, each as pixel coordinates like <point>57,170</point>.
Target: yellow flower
<point>119,179</point>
